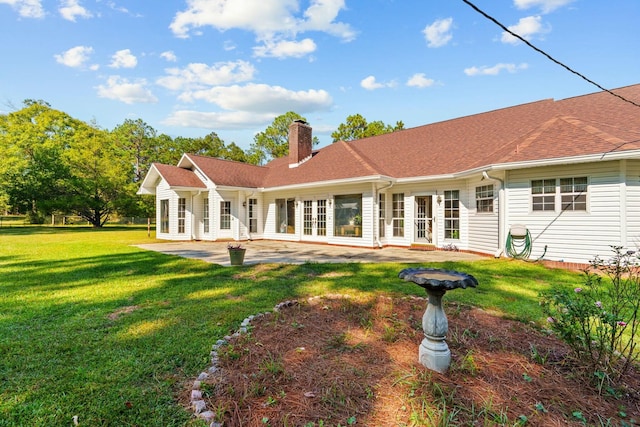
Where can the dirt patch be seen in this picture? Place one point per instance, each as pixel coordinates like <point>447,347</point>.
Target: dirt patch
<point>341,361</point>
<point>122,311</point>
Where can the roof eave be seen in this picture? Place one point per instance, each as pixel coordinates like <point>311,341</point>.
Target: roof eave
<point>316,184</point>
<point>589,158</point>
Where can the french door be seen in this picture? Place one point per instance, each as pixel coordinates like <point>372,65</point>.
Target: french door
<point>314,218</point>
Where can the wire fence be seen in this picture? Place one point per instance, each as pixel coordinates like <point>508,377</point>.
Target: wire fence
<point>69,220</point>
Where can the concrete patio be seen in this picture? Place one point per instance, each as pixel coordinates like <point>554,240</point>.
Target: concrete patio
<point>268,251</point>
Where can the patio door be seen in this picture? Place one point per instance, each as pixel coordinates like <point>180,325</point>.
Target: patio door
<point>314,219</point>
<point>423,219</point>
<point>226,219</point>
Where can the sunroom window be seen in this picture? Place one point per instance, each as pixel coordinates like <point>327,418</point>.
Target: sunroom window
<point>348,215</point>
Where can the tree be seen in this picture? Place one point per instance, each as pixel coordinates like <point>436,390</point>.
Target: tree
<point>101,176</point>
<point>33,173</point>
<point>273,142</point>
<point>139,140</point>
<point>357,127</point>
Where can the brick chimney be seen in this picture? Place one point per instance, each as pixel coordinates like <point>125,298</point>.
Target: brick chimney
<point>300,142</point>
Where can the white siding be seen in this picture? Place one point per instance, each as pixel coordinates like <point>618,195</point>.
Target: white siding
<point>632,204</point>
<point>570,236</point>
<point>164,193</point>
<point>483,226</point>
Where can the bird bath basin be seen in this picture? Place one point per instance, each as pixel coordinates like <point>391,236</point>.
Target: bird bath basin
<point>434,352</point>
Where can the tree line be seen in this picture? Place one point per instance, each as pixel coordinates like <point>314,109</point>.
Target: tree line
<point>56,164</point>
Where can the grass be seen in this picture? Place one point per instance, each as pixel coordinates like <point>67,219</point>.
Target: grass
<point>93,327</point>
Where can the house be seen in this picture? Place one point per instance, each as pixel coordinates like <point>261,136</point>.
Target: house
<point>565,173</point>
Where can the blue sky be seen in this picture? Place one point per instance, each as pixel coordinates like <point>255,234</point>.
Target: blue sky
<point>191,67</point>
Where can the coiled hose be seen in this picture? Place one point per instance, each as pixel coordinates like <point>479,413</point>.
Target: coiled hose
<point>519,246</point>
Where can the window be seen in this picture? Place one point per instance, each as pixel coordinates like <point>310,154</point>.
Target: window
<point>381,212</point>
<point>398,215</point>
<point>452,214</point>
<point>164,216</point>
<point>225,215</point>
<point>543,195</point>
<point>182,212</point>
<point>205,214</point>
<point>573,193</point>
<point>484,199</point>
<point>348,215</point>
<point>253,215</point>
<point>285,216</point>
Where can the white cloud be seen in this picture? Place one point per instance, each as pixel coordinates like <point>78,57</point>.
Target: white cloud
<point>370,83</point>
<point>26,8</point>
<point>218,120</point>
<point>71,9</point>
<point>121,89</point>
<point>420,80</point>
<point>545,5</point>
<point>266,18</point>
<point>197,75</point>
<point>169,56</point>
<point>76,57</point>
<point>285,49</point>
<point>438,34</point>
<point>123,59</point>
<point>495,70</point>
<point>261,98</point>
<point>526,28</point>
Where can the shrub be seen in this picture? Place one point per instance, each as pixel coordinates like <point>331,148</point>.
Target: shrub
<point>599,320</point>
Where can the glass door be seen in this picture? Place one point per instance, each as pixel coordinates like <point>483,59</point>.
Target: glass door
<point>314,218</point>
<point>423,219</point>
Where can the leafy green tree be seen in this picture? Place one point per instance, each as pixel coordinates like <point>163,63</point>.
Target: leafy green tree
<point>273,142</point>
<point>33,173</point>
<point>138,139</point>
<point>357,127</point>
<point>101,176</point>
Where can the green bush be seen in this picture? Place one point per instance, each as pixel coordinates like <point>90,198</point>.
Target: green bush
<point>600,320</point>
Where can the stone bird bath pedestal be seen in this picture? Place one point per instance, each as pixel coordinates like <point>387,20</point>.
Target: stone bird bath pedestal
<point>434,352</point>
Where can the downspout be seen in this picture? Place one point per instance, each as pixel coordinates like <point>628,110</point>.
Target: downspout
<point>376,222</point>
<point>501,214</point>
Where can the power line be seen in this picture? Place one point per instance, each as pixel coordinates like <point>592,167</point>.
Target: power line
<point>495,21</point>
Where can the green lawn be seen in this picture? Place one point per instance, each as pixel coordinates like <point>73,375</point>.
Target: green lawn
<point>93,327</point>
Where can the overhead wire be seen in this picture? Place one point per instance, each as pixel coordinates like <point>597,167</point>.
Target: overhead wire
<point>528,43</point>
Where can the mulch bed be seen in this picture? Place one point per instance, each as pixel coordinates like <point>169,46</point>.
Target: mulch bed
<point>337,360</point>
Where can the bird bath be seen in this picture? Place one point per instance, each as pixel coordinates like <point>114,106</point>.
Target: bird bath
<point>434,352</point>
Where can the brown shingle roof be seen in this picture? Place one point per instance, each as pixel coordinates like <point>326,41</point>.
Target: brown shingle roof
<point>590,124</point>
<point>178,177</point>
<point>228,172</point>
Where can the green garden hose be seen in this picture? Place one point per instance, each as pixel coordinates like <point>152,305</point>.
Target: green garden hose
<point>519,243</point>
<point>519,246</point>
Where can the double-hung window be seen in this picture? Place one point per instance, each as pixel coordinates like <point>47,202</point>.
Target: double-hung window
<point>205,215</point>
<point>543,195</point>
<point>452,214</point>
<point>563,194</point>
<point>182,214</point>
<point>382,213</point>
<point>573,193</point>
<point>225,215</point>
<point>398,214</point>
<point>484,199</point>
